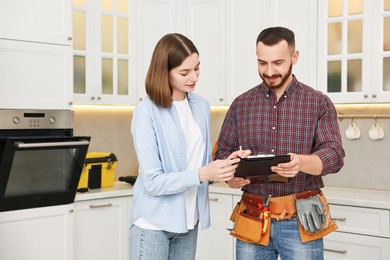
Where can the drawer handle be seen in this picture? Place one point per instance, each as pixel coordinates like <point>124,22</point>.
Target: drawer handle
<point>336,251</point>
<point>213,199</point>
<point>100,206</point>
<point>339,219</point>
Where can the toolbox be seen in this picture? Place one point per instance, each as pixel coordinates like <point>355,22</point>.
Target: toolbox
<point>98,171</point>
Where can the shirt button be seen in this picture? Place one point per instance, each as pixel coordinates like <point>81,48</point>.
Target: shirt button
<point>272,150</point>
<point>273,128</point>
<point>274,106</point>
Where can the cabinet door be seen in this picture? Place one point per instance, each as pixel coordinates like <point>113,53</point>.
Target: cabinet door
<point>35,75</point>
<point>338,245</point>
<point>46,21</point>
<point>37,234</point>
<point>206,27</point>
<point>215,242</point>
<point>354,50</point>
<point>104,52</point>
<point>246,19</point>
<point>101,229</point>
<point>364,221</point>
<point>155,18</point>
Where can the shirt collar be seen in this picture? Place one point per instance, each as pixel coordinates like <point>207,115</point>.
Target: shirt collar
<point>293,85</point>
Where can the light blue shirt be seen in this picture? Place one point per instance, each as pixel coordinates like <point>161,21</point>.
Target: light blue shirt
<point>161,151</point>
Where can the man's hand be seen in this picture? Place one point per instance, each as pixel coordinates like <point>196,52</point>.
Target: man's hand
<point>309,164</point>
<point>238,182</point>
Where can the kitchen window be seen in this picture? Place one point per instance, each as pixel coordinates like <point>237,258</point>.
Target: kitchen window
<point>354,50</point>
<point>103,57</point>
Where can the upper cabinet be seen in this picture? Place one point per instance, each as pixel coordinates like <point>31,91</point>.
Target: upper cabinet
<point>35,54</point>
<point>207,28</point>
<point>246,19</point>
<point>354,50</point>
<point>224,32</point>
<point>104,52</point>
<point>46,21</point>
<point>155,18</point>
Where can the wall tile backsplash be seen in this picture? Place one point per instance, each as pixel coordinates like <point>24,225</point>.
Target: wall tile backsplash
<point>367,162</point>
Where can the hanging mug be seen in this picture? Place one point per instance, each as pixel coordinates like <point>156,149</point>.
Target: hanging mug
<point>376,132</point>
<point>352,132</point>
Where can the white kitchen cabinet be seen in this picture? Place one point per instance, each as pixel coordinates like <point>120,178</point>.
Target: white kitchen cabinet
<point>45,21</point>
<point>246,19</point>
<point>155,18</point>
<point>35,75</point>
<point>206,27</point>
<point>225,33</point>
<point>35,54</point>
<point>101,228</point>
<point>104,48</point>
<point>363,233</point>
<point>215,242</point>
<point>37,234</point>
<point>339,246</point>
<point>354,50</point>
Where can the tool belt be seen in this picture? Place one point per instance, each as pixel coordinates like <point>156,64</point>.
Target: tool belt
<point>252,223</point>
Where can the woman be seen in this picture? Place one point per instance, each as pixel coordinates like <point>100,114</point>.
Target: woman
<point>170,128</point>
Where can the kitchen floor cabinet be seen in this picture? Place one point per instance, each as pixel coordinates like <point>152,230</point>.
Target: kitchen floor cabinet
<point>101,229</point>
<point>363,233</point>
<point>215,242</point>
<point>37,234</point>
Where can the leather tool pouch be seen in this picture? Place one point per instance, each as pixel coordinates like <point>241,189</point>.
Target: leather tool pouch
<point>329,225</point>
<point>248,223</point>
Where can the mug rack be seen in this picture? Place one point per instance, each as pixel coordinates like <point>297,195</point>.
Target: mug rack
<point>341,116</point>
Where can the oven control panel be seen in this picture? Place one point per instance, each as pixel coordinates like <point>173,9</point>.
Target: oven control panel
<point>40,119</point>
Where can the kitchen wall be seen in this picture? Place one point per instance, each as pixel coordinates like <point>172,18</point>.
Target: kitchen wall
<point>367,162</point>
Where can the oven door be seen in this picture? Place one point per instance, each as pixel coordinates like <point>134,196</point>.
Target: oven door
<point>40,171</point>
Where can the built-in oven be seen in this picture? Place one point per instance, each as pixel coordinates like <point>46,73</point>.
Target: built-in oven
<point>40,159</point>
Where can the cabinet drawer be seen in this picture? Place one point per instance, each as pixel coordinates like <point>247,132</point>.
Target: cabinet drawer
<point>364,221</point>
<point>339,245</point>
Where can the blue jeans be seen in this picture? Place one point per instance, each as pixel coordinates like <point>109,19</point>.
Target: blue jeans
<point>145,244</point>
<point>285,242</point>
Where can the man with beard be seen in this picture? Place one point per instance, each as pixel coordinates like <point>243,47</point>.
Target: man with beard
<point>282,116</point>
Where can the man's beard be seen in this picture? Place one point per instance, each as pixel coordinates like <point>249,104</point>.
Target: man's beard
<point>284,78</point>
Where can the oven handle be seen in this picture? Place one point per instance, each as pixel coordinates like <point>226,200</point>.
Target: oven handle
<point>20,144</point>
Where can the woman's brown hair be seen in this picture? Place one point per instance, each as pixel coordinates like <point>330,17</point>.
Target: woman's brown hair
<point>169,53</point>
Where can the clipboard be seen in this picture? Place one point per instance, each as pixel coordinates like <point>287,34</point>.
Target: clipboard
<point>259,165</point>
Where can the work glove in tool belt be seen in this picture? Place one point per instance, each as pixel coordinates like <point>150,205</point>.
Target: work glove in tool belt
<point>310,214</point>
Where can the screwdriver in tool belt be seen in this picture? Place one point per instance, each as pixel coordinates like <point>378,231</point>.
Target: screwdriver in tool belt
<point>264,209</point>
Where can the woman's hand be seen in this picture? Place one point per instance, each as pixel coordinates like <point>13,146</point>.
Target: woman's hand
<point>222,170</point>
<point>219,170</point>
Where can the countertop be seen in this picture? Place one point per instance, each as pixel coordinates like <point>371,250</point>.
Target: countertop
<point>119,189</point>
<point>335,195</point>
